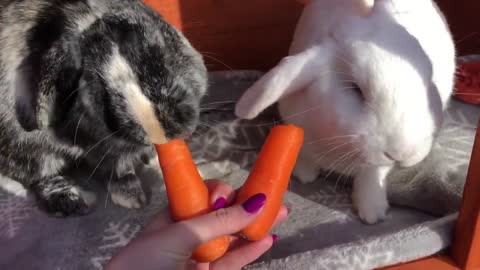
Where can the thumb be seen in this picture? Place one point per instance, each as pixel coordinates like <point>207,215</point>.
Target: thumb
<point>225,221</point>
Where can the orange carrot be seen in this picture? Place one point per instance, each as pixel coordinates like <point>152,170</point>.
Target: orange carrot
<point>270,175</point>
<point>187,194</point>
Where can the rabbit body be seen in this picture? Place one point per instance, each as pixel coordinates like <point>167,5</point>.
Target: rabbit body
<point>94,82</point>
<point>369,82</point>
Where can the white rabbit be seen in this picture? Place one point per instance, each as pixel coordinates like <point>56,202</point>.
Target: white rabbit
<point>368,81</point>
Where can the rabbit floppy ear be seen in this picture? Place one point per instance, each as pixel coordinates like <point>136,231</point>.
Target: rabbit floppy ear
<point>292,74</point>
<point>364,7</point>
<point>41,78</point>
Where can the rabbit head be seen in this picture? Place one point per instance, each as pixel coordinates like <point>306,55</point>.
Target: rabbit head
<point>366,78</point>
<point>127,69</point>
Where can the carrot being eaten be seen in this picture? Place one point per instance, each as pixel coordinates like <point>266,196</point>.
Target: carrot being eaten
<point>188,195</point>
<point>270,175</point>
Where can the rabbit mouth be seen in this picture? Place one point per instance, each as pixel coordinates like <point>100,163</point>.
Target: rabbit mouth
<point>376,158</point>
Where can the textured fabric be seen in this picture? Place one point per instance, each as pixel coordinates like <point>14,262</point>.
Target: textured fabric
<point>322,232</point>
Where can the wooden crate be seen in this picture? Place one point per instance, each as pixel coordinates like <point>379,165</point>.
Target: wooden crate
<point>256,34</point>
<point>465,251</point>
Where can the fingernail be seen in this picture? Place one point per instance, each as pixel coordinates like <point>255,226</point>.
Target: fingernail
<point>274,237</point>
<point>219,203</point>
<point>254,203</point>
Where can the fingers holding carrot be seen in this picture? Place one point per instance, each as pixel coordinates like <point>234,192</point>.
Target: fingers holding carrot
<point>188,195</point>
<point>238,240</point>
<point>162,220</point>
<point>281,148</point>
<point>221,194</point>
<point>182,179</point>
<point>205,221</point>
<point>217,190</point>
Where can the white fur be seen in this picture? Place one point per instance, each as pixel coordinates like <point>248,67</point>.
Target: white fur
<point>13,45</point>
<point>84,22</point>
<point>122,77</point>
<point>89,197</point>
<point>369,193</point>
<point>401,55</point>
<point>12,187</point>
<point>128,202</point>
<point>51,166</point>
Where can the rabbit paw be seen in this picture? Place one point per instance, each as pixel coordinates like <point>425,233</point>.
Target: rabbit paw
<point>127,192</point>
<point>369,195</point>
<point>61,198</point>
<point>305,171</point>
<point>371,206</point>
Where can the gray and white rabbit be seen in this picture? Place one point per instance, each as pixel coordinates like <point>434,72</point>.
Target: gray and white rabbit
<point>91,80</point>
<point>368,80</point>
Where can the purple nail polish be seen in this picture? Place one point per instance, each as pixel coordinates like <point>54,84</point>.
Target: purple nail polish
<point>219,203</point>
<point>274,237</point>
<point>254,203</point>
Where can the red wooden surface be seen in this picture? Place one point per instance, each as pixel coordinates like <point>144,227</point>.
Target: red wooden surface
<point>431,263</point>
<point>170,10</point>
<point>463,18</point>
<point>256,34</point>
<point>247,34</point>
<point>465,252</point>
<point>466,248</point>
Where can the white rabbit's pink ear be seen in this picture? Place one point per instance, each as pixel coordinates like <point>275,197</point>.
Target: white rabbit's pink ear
<point>364,7</point>
<point>292,74</point>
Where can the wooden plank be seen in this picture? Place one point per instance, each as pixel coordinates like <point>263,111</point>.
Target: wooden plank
<point>169,9</point>
<point>466,247</point>
<point>256,34</point>
<point>241,34</point>
<point>463,18</point>
<point>247,34</point>
<point>431,263</point>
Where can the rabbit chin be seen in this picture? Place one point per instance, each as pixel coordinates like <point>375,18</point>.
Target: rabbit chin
<point>346,155</point>
<point>341,156</point>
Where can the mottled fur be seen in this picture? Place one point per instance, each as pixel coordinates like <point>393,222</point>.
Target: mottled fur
<point>95,82</point>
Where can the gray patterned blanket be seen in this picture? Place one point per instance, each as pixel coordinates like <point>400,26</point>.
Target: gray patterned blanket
<point>322,232</point>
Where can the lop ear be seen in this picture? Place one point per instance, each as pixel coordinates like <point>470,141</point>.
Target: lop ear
<point>364,7</point>
<point>292,74</point>
<point>41,78</point>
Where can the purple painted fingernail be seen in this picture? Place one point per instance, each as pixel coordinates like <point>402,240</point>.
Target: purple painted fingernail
<point>254,203</point>
<point>274,237</point>
<point>219,203</point>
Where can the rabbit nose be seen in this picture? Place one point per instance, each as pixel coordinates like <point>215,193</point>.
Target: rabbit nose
<point>400,156</point>
<point>389,156</point>
<point>406,158</point>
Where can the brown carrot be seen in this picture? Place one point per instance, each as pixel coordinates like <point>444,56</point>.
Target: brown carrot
<point>270,175</point>
<point>187,194</point>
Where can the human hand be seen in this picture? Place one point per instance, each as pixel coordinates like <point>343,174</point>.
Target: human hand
<point>167,245</point>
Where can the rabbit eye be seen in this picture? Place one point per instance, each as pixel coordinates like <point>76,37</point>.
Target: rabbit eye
<point>356,90</point>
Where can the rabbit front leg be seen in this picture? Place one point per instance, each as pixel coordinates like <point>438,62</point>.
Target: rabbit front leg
<point>61,197</point>
<point>370,194</point>
<point>126,188</point>
<point>306,170</point>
